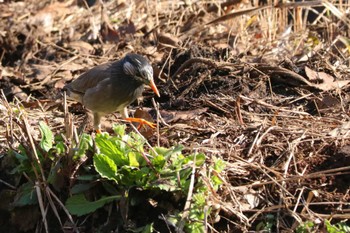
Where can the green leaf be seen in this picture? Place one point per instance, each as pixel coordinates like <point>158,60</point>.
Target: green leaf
<point>60,148</point>
<point>112,148</point>
<point>105,167</point>
<point>78,205</point>
<point>133,159</point>
<point>148,228</point>
<point>219,165</point>
<point>26,195</point>
<point>195,227</point>
<point>85,142</point>
<point>119,130</point>
<point>168,152</point>
<point>80,188</point>
<point>46,136</point>
<point>88,177</point>
<point>159,162</point>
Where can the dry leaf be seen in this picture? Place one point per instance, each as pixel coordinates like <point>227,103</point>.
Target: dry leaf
<point>327,81</point>
<point>327,101</point>
<point>146,131</point>
<point>42,71</point>
<point>82,46</point>
<point>340,131</point>
<point>173,116</point>
<point>169,40</point>
<point>45,18</point>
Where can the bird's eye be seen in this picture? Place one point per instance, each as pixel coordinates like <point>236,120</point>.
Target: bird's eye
<point>147,72</point>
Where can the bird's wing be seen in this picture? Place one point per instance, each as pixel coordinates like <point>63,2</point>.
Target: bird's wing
<point>90,79</point>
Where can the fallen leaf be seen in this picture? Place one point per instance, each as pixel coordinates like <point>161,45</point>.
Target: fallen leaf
<point>173,116</point>
<point>341,130</point>
<point>81,46</point>
<point>146,131</point>
<point>326,81</point>
<point>327,102</point>
<point>40,72</point>
<point>169,40</point>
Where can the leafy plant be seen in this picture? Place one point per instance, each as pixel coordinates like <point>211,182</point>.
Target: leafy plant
<point>50,151</point>
<point>337,228</point>
<point>123,159</point>
<point>124,163</point>
<point>310,226</point>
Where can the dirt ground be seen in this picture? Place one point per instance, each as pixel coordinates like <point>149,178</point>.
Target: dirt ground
<point>265,89</point>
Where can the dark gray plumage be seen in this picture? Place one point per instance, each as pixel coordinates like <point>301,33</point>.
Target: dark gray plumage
<point>112,86</point>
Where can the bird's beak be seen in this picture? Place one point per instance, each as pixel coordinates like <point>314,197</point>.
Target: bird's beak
<point>154,88</point>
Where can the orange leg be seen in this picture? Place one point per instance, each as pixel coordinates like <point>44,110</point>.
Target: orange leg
<point>98,131</point>
<point>141,122</point>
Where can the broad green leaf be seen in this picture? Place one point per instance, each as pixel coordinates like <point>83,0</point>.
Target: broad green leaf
<point>105,166</point>
<point>88,177</point>
<point>200,159</point>
<point>78,205</point>
<point>26,195</point>
<point>167,152</point>
<point>46,136</point>
<point>80,188</point>
<point>106,146</point>
<point>159,162</point>
<point>109,147</point>
<point>133,159</point>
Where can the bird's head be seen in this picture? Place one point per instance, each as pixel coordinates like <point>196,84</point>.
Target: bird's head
<point>139,68</point>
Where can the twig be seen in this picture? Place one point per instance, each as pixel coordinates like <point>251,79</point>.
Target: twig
<point>187,206</point>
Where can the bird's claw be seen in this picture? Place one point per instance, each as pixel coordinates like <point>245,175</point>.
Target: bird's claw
<point>141,122</point>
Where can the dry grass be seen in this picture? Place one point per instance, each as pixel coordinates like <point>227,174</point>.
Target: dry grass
<point>233,84</point>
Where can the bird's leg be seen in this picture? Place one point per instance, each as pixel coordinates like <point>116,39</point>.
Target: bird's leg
<point>97,122</point>
<point>141,121</point>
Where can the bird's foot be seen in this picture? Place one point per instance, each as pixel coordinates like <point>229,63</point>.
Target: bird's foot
<point>141,122</point>
<point>98,131</point>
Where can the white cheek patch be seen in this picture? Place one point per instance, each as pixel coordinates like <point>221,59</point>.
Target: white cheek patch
<point>149,70</point>
<point>129,68</point>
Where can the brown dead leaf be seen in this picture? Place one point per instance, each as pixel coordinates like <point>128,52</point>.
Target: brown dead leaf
<point>60,84</point>
<point>173,116</point>
<point>146,131</point>
<point>9,72</point>
<point>108,33</point>
<point>342,130</point>
<point>127,27</point>
<point>327,101</point>
<point>169,40</point>
<point>42,71</point>
<point>312,75</point>
<point>18,93</point>
<point>72,66</point>
<point>46,17</point>
<point>327,81</point>
<point>157,73</point>
<point>81,46</point>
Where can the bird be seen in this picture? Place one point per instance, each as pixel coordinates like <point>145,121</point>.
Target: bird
<point>113,86</point>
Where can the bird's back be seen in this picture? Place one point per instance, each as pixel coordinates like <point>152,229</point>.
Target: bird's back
<point>91,78</point>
